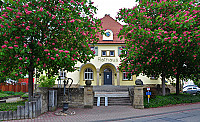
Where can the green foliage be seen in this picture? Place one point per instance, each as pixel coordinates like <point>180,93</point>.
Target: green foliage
<point>47,81</point>
<point>162,37</point>
<point>25,95</point>
<point>10,93</point>
<point>171,99</point>
<point>3,94</point>
<point>11,106</point>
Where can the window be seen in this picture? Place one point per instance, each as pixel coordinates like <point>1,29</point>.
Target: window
<point>125,77</point>
<point>120,50</point>
<point>88,74</point>
<point>108,53</point>
<point>103,53</point>
<point>112,53</point>
<point>62,74</point>
<point>95,49</point>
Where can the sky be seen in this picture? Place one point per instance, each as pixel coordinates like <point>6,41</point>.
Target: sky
<point>111,7</point>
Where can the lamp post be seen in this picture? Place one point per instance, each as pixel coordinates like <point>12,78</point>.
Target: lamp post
<point>66,103</point>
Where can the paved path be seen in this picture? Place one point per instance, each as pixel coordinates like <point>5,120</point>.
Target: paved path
<point>114,113</point>
<point>14,99</point>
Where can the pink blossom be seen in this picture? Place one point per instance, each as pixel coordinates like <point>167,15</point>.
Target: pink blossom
<point>2,26</point>
<point>60,51</point>
<point>20,67</point>
<point>53,43</point>
<point>46,50</point>
<point>189,40</point>
<point>4,46</point>
<point>53,17</point>
<point>57,55</point>
<point>10,47</point>
<point>27,28</point>
<point>16,74</point>
<point>20,58</point>
<point>17,37</point>
<point>10,9</point>
<point>26,58</point>
<point>38,59</point>
<point>66,51</point>
<point>52,58</point>
<point>72,20</point>
<point>6,42</point>
<point>44,65</point>
<point>41,9</point>
<point>25,45</point>
<point>20,72</point>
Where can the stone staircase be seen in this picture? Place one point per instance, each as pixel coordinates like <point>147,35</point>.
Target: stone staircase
<point>111,95</point>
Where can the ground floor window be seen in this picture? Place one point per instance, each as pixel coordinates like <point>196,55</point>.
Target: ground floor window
<point>125,77</point>
<point>88,74</point>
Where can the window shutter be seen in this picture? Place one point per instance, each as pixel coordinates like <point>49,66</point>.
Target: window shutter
<point>119,50</point>
<point>96,51</point>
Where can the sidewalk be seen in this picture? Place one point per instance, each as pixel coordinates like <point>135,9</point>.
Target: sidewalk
<point>110,113</point>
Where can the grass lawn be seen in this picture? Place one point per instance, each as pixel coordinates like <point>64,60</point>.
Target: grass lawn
<point>171,99</point>
<point>11,106</point>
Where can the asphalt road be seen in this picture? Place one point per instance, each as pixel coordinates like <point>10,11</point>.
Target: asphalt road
<point>190,115</point>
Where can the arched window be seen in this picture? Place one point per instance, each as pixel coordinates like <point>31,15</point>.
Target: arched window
<point>88,74</point>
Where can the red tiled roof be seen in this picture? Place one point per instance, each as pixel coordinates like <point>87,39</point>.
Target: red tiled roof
<point>111,24</point>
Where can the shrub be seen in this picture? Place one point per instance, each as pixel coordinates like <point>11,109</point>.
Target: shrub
<point>170,100</point>
<point>46,81</point>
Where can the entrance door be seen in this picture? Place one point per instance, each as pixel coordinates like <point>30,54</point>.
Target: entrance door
<point>107,76</point>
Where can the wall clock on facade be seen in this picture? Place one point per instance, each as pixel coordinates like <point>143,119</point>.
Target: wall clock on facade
<point>108,34</point>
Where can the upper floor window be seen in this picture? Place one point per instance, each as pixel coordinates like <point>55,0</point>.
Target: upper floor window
<point>112,53</point>
<point>108,53</point>
<point>103,53</point>
<point>95,49</point>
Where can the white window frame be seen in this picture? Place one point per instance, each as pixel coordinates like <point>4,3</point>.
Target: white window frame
<point>89,74</point>
<point>62,74</point>
<point>124,77</point>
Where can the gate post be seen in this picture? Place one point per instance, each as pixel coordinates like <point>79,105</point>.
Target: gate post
<point>138,101</point>
<point>88,97</point>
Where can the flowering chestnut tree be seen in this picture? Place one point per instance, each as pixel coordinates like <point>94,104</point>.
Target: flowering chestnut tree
<point>46,34</point>
<point>162,38</point>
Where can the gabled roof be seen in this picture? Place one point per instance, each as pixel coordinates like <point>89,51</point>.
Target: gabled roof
<point>111,24</point>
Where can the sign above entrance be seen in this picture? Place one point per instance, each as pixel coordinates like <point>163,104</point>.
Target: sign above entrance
<point>107,59</point>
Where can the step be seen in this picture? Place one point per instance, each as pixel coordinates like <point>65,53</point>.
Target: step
<point>111,94</point>
<point>113,101</point>
<point>110,88</point>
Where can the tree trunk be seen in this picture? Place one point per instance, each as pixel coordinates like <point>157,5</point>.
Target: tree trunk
<point>30,81</point>
<point>177,84</point>
<point>163,84</point>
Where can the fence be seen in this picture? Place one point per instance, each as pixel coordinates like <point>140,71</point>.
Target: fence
<point>18,87</point>
<point>30,110</point>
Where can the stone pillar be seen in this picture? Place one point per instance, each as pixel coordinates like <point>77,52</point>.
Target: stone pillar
<point>138,101</point>
<point>118,81</point>
<point>44,98</point>
<point>98,70</point>
<point>88,97</point>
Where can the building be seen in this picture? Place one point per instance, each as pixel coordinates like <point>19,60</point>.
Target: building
<point>102,70</point>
